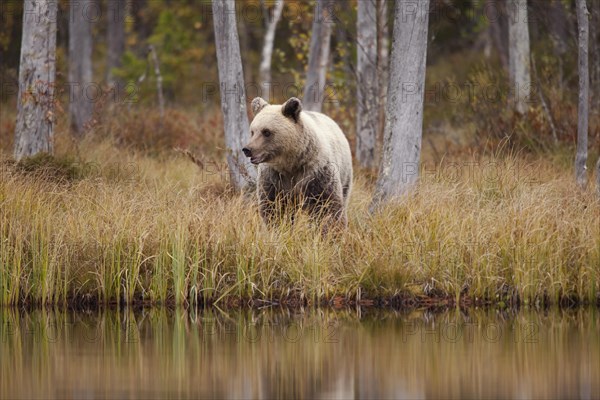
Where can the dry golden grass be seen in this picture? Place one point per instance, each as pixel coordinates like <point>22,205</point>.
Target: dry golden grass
<point>123,226</point>
<point>130,220</point>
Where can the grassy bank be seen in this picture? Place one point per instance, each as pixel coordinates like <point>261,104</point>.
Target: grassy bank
<point>118,225</point>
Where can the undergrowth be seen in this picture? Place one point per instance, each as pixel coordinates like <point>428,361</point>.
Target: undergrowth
<point>142,229</point>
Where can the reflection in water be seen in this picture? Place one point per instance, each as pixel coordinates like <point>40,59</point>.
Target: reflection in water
<point>274,354</point>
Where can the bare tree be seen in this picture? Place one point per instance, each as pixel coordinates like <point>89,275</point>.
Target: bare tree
<point>584,93</point>
<point>598,177</point>
<point>494,12</point>
<point>233,96</point>
<point>594,9</point>
<point>37,73</point>
<point>518,53</point>
<point>82,93</point>
<point>318,56</point>
<point>152,57</point>
<point>367,87</point>
<point>115,36</point>
<point>159,80</point>
<point>399,168</point>
<point>383,62</point>
<point>560,28</point>
<point>267,50</point>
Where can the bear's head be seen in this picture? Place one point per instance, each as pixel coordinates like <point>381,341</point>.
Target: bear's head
<point>275,133</point>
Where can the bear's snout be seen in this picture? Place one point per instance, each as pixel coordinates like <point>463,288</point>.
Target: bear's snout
<point>247,152</point>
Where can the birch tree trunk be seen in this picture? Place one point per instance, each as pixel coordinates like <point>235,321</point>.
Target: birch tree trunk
<point>399,168</point>
<point>494,12</point>
<point>159,80</point>
<point>367,115</point>
<point>518,54</point>
<point>383,63</point>
<point>233,97</point>
<point>598,177</point>
<point>559,24</point>
<point>584,94</point>
<point>318,56</point>
<point>594,9</point>
<point>267,50</point>
<point>115,37</point>
<point>82,92</point>
<point>558,27</point>
<point>37,73</point>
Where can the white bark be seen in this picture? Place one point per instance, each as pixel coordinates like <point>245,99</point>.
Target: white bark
<point>584,94</point>
<point>494,12</point>
<point>115,36</point>
<point>518,54</point>
<point>318,56</point>
<point>267,50</point>
<point>37,73</point>
<point>233,97</point>
<point>383,61</point>
<point>399,168</point>
<point>83,93</point>
<point>159,80</point>
<point>598,177</point>
<point>594,9</point>
<point>367,113</point>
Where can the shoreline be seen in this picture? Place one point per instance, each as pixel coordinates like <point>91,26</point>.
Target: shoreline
<point>395,303</point>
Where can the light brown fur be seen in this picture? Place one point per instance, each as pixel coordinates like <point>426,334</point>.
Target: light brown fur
<point>304,161</point>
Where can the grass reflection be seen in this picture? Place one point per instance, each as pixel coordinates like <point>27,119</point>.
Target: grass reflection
<point>301,354</point>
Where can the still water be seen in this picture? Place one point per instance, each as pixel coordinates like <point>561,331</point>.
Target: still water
<point>162,353</point>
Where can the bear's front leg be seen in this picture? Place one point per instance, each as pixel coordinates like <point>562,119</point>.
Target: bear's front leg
<point>323,198</point>
<point>267,196</point>
<point>271,202</point>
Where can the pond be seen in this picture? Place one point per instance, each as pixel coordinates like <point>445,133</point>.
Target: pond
<point>351,353</point>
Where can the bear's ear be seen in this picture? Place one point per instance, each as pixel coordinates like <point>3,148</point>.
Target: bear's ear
<point>292,108</point>
<point>258,104</point>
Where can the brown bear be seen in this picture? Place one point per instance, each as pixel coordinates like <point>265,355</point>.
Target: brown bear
<point>304,162</point>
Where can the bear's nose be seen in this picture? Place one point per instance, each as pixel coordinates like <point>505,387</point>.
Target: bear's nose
<point>247,152</point>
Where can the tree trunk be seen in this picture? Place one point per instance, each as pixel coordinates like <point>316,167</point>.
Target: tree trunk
<point>233,97</point>
<point>518,54</point>
<point>115,37</point>
<point>82,91</point>
<point>558,25</point>
<point>267,50</point>
<point>318,56</point>
<point>598,177</point>
<point>367,89</point>
<point>594,9</point>
<point>584,94</point>
<point>399,168</point>
<point>494,12</point>
<point>560,29</point>
<point>37,73</point>
<point>383,64</point>
<point>159,80</point>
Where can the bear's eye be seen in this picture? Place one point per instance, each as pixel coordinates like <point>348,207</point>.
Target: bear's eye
<point>266,132</point>
<point>251,133</point>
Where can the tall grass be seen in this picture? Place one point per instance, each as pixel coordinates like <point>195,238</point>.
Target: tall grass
<point>141,229</point>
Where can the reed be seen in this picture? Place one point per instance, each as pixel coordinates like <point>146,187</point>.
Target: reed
<point>146,229</point>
